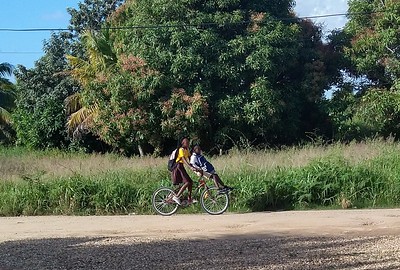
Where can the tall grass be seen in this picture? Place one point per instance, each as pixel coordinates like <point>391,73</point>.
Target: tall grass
<point>338,176</point>
<point>18,163</point>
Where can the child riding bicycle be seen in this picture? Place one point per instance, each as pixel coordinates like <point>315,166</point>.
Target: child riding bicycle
<point>204,167</point>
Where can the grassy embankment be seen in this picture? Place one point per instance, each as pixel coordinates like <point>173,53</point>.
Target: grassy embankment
<point>348,176</point>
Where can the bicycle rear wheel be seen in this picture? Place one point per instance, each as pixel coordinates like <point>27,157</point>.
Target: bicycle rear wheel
<point>213,202</point>
<point>162,201</point>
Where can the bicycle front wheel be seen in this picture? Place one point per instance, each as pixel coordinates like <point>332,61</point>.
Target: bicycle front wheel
<point>162,201</point>
<point>213,202</point>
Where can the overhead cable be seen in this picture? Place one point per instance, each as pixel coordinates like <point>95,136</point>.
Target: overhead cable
<point>197,25</point>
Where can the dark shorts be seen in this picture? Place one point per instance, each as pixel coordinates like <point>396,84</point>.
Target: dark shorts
<point>179,175</point>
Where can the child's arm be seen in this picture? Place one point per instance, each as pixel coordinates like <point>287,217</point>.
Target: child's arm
<point>187,163</point>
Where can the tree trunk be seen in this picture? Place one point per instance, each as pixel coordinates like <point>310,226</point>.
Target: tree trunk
<point>141,153</point>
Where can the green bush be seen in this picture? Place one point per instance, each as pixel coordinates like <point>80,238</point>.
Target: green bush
<point>328,181</point>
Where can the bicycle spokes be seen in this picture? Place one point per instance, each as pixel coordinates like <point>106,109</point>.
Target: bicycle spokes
<point>213,202</point>
<point>162,201</point>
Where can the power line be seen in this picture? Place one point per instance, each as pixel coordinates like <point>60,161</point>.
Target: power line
<point>199,25</point>
<point>33,29</point>
<point>21,52</point>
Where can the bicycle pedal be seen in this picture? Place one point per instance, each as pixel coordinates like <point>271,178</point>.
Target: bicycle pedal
<point>184,203</point>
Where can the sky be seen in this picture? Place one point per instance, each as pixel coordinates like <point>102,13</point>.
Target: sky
<point>26,47</point>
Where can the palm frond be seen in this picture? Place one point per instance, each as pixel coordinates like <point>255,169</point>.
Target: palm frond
<point>7,88</point>
<point>99,48</point>
<point>7,99</point>
<point>73,103</point>
<point>6,69</point>
<point>83,118</point>
<point>82,71</point>
<point>5,116</point>
<point>100,57</point>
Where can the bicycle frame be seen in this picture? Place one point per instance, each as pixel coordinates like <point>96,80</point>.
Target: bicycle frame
<point>198,186</point>
<point>209,198</point>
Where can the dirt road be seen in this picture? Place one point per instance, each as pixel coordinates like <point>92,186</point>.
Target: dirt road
<point>352,239</point>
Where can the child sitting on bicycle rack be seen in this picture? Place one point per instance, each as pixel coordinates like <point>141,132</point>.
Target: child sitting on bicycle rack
<point>198,161</point>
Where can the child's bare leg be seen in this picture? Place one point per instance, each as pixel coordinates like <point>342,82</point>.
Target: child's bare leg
<point>190,187</point>
<point>218,181</point>
<point>182,189</point>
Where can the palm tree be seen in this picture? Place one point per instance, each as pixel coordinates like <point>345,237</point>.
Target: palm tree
<point>100,60</point>
<point>80,117</point>
<point>7,94</point>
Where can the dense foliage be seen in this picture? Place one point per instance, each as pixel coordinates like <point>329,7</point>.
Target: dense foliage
<point>7,98</point>
<point>337,178</point>
<point>375,32</point>
<point>40,117</point>
<point>217,74</point>
<point>133,76</point>
<point>372,49</point>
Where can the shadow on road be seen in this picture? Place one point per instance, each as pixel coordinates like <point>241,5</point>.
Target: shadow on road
<point>232,252</point>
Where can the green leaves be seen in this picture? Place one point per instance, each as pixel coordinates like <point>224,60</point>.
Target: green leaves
<point>40,116</point>
<point>376,39</point>
<point>242,72</point>
<point>374,32</point>
<point>263,106</point>
<point>184,114</point>
<point>7,98</point>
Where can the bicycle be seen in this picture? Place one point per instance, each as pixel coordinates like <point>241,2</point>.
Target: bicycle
<point>211,199</point>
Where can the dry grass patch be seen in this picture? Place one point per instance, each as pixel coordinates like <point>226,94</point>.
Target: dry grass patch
<point>58,164</point>
<point>18,163</point>
<point>297,157</point>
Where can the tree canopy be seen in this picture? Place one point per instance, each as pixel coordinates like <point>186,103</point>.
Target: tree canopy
<point>375,50</point>
<point>40,118</point>
<point>220,71</point>
<point>7,98</point>
<point>135,75</point>
<point>370,42</point>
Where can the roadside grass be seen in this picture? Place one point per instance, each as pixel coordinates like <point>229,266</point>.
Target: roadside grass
<point>19,163</point>
<point>52,182</point>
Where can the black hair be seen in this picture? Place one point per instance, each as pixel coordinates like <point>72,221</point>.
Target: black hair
<point>180,140</point>
<point>183,138</point>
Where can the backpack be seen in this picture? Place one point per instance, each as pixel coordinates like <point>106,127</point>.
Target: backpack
<point>172,160</point>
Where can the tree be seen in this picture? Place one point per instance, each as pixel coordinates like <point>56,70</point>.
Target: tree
<point>358,117</point>
<point>101,61</point>
<point>122,112</point>
<point>7,97</point>
<point>258,74</point>
<point>6,93</point>
<point>375,47</point>
<point>221,71</point>
<point>90,16</point>
<point>41,116</point>
<point>372,48</point>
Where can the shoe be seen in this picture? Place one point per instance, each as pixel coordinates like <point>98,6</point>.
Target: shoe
<point>229,188</point>
<point>191,201</point>
<point>177,200</point>
<point>223,190</point>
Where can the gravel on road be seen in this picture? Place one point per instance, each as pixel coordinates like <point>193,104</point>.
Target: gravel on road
<point>310,240</point>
